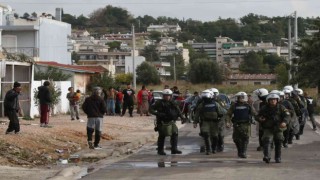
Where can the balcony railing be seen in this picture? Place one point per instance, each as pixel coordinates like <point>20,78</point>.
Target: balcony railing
<point>29,51</point>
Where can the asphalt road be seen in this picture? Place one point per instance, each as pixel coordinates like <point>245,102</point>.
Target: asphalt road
<point>300,161</point>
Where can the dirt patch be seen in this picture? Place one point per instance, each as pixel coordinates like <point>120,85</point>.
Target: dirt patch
<point>38,146</point>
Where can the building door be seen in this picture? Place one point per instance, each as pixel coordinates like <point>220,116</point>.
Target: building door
<point>21,72</point>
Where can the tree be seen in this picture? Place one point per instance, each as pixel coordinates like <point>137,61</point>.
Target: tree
<point>114,45</point>
<point>26,15</point>
<point>34,14</point>
<point>124,78</point>
<point>308,62</point>
<point>55,93</point>
<point>204,71</point>
<point>273,60</point>
<point>194,55</point>
<point>52,73</point>
<point>180,67</point>
<point>150,53</point>
<point>147,74</point>
<point>75,57</point>
<point>282,75</point>
<point>104,81</point>
<point>253,64</point>
<point>115,18</point>
<point>155,35</point>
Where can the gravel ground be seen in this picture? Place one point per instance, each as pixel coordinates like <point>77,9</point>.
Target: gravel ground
<point>34,151</point>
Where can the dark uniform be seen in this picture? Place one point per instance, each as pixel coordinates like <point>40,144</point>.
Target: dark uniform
<point>167,112</point>
<point>297,105</point>
<point>293,118</point>
<point>241,114</point>
<point>208,115</point>
<point>222,126</point>
<point>273,116</point>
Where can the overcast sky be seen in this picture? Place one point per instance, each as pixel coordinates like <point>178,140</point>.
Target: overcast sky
<point>204,10</point>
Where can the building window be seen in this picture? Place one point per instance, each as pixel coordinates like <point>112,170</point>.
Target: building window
<point>233,83</point>
<point>257,83</point>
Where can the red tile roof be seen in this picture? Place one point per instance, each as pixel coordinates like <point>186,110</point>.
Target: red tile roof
<point>88,69</point>
<point>252,77</point>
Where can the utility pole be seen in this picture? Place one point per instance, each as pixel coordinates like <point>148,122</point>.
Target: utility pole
<point>174,69</point>
<point>133,58</point>
<point>289,49</point>
<point>295,27</point>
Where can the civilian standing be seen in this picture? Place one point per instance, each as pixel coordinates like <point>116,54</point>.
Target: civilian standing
<point>45,100</point>
<point>128,100</point>
<point>73,104</point>
<point>119,100</point>
<point>12,107</point>
<point>95,107</point>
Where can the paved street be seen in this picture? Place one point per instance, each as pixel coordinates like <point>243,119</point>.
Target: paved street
<point>299,161</point>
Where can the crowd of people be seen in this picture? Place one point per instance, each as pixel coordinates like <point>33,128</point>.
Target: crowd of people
<point>280,116</point>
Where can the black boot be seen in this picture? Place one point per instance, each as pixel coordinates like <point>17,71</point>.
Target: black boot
<point>290,138</point>
<point>220,147</point>
<point>266,151</point>
<point>277,154</point>
<point>214,143</point>
<point>207,145</point>
<point>238,148</point>
<point>260,147</point>
<point>161,146</point>
<point>244,149</point>
<point>286,137</point>
<point>301,129</point>
<point>174,144</point>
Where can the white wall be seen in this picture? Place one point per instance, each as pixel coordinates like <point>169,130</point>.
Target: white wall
<point>61,108</point>
<point>128,62</point>
<point>53,41</point>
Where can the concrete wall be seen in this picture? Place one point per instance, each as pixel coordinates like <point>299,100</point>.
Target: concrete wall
<point>61,108</point>
<point>53,41</point>
<point>128,62</point>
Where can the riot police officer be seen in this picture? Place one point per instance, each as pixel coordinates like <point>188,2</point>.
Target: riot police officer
<point>167,112</point>
<point>208,114</point>
<point>222,124</point>
<point>293,126</point>
<point>293,122</point>
<point>273,118</point>
<point>262,94</point>
<point>241,114</point>
<point>298,95</point>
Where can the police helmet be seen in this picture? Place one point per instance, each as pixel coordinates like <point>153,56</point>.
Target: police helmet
<point>288,87</point>
<point>242,94</point>
<point>261,92</point>
<point>273,96</point>
<point>299,91</point>
<point>215,91</point>
<point>281,93</point>
<point>166,92</point>
<point>275,92</point>
<point>206,94</point>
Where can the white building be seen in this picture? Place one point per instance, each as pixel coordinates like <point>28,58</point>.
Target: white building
<point>164,28</point>
<point>42,38</point>
<point>129,62</point>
